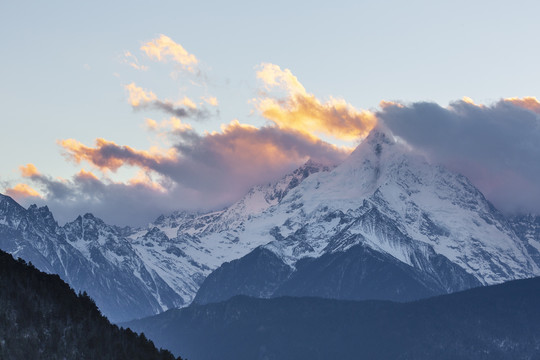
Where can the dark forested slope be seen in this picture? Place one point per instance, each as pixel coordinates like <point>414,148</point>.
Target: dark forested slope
<point>41,317</point>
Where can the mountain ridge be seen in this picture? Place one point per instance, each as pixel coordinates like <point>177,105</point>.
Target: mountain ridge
<point>383,196</point>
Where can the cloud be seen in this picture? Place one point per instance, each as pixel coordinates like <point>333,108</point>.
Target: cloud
<point>59,189</point>
<point>29,170</point>
<point>188,102</point>
<point>495,146</point>
<point>109,156</point>
<point>83,174</point>
<point>298,110</point>
<point>172,125</point>
<point>199,171</point>
<point>530,103</point>
<point>132,61</point>
<point>215,160</point>
<point>205,171</point>
<point>140,98</point>
<point>137,201</point>
<point>22,191</point>
<point>144,178</point>
<point>242,155</point>
<point>164,49</point>
<point>212,100</point>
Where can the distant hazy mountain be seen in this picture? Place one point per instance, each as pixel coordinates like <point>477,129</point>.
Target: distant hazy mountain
<point>492,322</point>
<point>42,318</point>
<point>384,224</point>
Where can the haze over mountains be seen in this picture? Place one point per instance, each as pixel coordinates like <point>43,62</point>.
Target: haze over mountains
<point>384,224</point>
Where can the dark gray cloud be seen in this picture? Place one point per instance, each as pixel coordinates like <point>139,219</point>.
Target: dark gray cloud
<point>497,147</point>
<point>116,203</point>
<point>242,156</point>
<point>181,112</point>
<point>140,98</point>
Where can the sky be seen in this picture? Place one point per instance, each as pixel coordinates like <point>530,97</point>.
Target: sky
<point>131,109</point>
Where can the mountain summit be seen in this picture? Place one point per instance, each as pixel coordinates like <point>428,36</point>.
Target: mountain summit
<point>383,224</point>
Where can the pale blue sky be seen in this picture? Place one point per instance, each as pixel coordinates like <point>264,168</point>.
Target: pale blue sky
<point>62,74</point>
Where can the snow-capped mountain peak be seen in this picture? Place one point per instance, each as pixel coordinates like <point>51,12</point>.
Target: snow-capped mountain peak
<point>424,202</point>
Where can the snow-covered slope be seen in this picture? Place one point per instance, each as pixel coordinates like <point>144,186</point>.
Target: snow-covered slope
<point>527,228</point>
<point>184,248</point>
<point>427,203</point>
<point>391,200</point>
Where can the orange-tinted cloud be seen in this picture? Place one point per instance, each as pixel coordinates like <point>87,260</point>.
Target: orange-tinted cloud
<point>303,112</point>
<point>222,164</point>
<point>384,104</point>
<point>176,124</point>
<point>207,170</point>
<point>212,100</point>
<point>132,61</point>
<point>29,170</point>
<point>529,102</point>
<point>272,76</point>
<point>173,124</point>
<point>468,100</point>
<point>143,179</point>
<point>138,96</point>
<point>230,161</point>
<point>240,144</point>
<point>21,191</point>
<point>136,201</point>
<point>109,156</point>
<point>164,48</point>
<point>83,174</point>
<point>188,102</point>
<point>151,124</point>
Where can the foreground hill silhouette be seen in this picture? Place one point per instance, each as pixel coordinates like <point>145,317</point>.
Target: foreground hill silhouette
<point>494,322</point>
<point>41,317</point>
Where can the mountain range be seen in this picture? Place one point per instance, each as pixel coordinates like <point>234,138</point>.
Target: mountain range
<point>497,322</point>
<point>384,224</point>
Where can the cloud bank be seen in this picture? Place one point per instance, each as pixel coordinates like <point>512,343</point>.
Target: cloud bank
<point>497,146</point>
<point>193,170</point>
<point>211,170</point>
